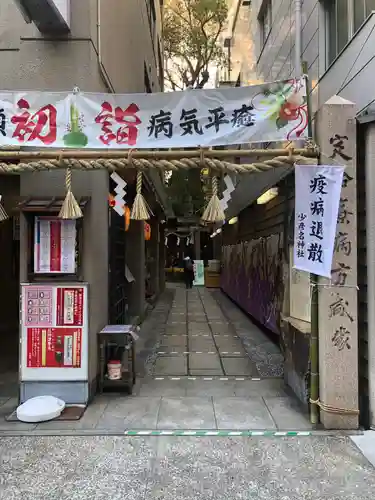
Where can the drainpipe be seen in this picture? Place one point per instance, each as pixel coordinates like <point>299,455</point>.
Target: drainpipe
<point>102,70</point>
<point>298,38</point>
<point>370,246</point>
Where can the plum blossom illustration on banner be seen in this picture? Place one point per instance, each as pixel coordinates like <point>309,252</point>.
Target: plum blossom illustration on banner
<point>285,103</point>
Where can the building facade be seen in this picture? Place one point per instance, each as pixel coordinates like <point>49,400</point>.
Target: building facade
<point>337,40</point>
<point>97,46</point>
<point>337,45</point>
<point>109,46</point>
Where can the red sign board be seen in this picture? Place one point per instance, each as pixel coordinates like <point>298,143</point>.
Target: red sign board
<point>54,347</point>
<point>69,307</point>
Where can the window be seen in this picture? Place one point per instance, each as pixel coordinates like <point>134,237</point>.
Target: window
<point>265,20</point>
<point>150,4</point>
<point>344,18</point>
<point>362,9</point>
<point>147,82</point>
<point>338,27</point>
<point>160,68</point>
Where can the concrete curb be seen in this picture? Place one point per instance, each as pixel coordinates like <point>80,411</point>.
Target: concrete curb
<point>178,433</point>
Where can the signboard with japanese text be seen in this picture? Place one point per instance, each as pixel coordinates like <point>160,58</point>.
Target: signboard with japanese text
<point>198,273</point>
<point>69,307</point>
<point>317,203</point>
<point>216,117</point>
<point>54,347</point>
<point>54,246</point>
<point>54,332</point>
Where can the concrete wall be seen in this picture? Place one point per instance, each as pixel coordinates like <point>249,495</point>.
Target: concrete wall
<point>30,61</point>
<point>275,60</point>
<point>95,249</point>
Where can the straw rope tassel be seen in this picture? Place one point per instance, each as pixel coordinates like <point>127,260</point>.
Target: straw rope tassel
<point>213,212</point>
<point>140,209</point>
<point>70,208</point>
<point>3,214</point>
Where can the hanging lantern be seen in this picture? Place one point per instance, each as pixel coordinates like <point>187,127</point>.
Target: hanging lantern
<point>111,201</point>
<point>127,217</point>
<point>126,210</point>
<point>147,231</point>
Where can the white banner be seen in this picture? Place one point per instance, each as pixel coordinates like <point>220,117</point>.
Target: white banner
<point>317,202</point>
<point>198,273</point>
<point>193,118</point>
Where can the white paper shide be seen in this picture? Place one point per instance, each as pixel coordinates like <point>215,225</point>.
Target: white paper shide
<point>318,190</point>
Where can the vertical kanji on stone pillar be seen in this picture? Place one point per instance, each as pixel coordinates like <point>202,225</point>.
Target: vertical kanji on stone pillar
<point>338,321</point>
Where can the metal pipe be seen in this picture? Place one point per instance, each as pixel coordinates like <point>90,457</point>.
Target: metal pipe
<point>102,70</point>
<point>370,252</point>
<point>314,311</point>
<point>298,38</point>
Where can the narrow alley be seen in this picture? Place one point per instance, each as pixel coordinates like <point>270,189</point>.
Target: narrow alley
<point>214,369</point>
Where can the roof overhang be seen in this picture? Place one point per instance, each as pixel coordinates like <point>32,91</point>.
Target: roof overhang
<point>367,115</point>
<point>251,186</point>
<point>49,16</point>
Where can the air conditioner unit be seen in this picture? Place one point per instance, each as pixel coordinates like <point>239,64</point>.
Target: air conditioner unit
<point>49,16</point>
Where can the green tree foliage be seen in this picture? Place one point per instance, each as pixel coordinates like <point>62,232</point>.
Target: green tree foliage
<point>191,31</point>
<point>185,192</point>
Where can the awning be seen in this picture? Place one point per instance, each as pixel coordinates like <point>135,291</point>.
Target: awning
<point>52,204</point>
<point>252,186</point>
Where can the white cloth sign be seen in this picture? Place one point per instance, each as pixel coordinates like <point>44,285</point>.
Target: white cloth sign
<point>54,246</point>
<point>216,117</point>
<point>318,190</point>
<point>198,273</point>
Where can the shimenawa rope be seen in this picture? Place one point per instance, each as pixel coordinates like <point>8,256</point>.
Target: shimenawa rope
<point>143,164</point>
<point>332,409</point>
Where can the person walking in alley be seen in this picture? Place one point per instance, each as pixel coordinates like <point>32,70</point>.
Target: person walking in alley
<point>188,272</point>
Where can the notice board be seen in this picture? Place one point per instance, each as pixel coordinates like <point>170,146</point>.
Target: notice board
<point>54,332</point>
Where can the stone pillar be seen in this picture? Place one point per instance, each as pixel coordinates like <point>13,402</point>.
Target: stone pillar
<point>338,320</point>
<point>136,261</point>
<point>197,244</point>
<point>162,258</point>
<point>154,250</point>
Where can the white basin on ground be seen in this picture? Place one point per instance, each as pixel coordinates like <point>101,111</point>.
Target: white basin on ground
<point>40,409</point>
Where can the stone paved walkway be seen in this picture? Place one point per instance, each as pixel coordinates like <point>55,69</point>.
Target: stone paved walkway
<point>202,365</point>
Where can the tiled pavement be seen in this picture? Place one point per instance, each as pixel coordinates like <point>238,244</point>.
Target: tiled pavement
<point>202,365</point>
